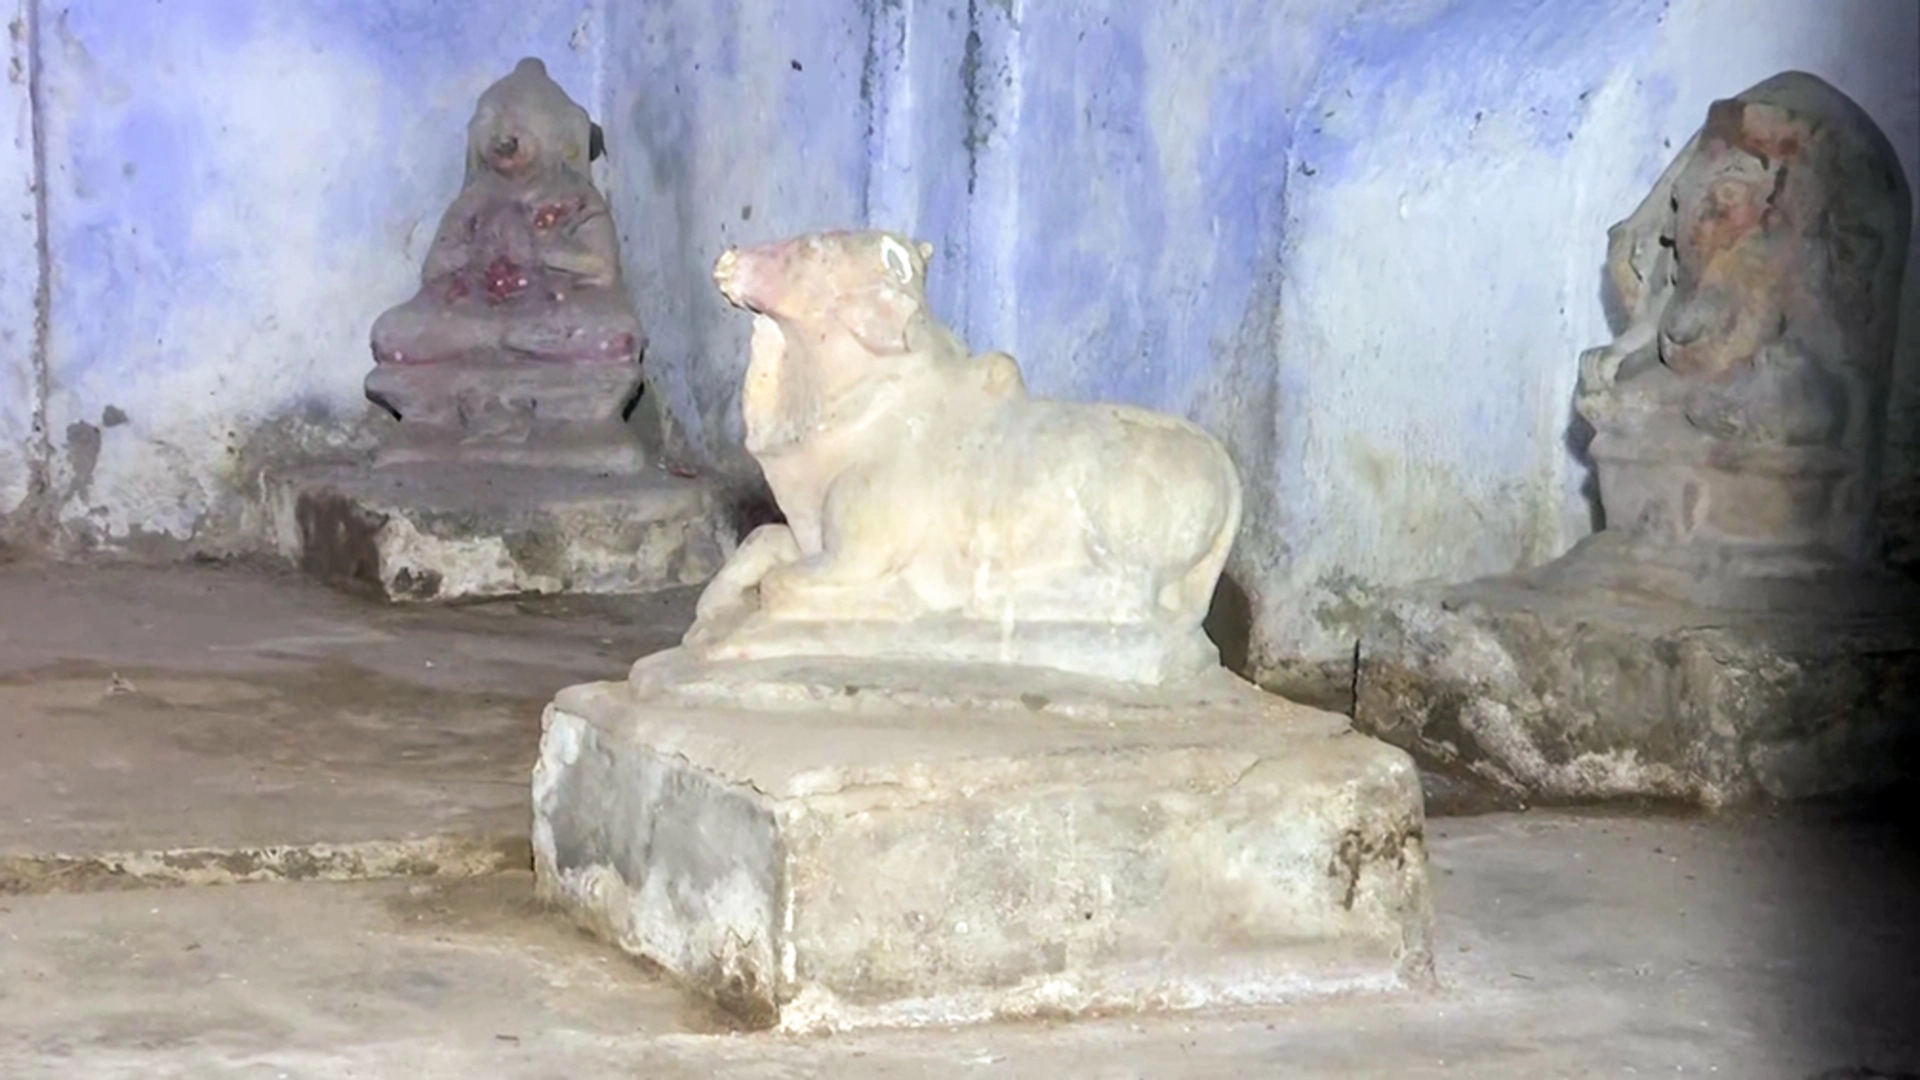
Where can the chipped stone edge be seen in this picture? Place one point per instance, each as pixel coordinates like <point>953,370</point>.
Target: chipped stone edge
<point>815,1010</point>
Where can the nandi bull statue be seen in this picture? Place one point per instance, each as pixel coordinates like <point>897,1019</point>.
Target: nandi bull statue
<point>937,512</point>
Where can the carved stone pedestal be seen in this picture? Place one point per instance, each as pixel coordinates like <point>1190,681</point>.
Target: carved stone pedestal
<point>513,414</point>
<point>1609,674</point>
<point>449,532</point>
<point>831,844</point>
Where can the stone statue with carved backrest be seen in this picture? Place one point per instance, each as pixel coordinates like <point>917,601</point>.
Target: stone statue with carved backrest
<point>1730,632</point>
<point>521,346</point>
<point>1739,419</point>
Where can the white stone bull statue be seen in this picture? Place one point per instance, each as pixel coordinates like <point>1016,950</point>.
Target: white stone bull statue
<point>936,512</point>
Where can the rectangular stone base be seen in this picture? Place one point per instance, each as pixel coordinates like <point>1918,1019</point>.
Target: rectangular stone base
<point>828,867</point>
<point>440,532</point>
<point>1557,696</point>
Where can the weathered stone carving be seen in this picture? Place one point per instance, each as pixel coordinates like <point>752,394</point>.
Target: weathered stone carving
<point>509,468</point>
<point>521,346</point>
<point>1743,408</point>
<point>937,512</point>
<point>1727,634</point>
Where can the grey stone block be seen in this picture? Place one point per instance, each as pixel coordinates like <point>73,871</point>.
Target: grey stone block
<point>856,857</point>
<point>1576,695</point>
<point>449,532</point>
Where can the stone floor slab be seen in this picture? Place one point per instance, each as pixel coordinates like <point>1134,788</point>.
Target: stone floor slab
<point>186,724</point>
<point>1573,947</point>
<point>1769,946</point>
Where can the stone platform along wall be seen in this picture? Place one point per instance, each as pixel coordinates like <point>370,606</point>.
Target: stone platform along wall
<point>1556,696</point>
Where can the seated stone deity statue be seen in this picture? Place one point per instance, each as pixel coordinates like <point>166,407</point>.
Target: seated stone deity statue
<point>1743,408</point>
<point>522,343</point>
<point>936,512</point>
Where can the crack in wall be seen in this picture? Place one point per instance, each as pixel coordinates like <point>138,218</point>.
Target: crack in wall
<point>38,512</point>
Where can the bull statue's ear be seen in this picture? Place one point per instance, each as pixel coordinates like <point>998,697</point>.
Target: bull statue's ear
<point>896,260</point>
<point>926,251</point>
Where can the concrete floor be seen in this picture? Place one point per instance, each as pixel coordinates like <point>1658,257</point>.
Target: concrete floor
<point>164,728</point>
<point>170,712</point>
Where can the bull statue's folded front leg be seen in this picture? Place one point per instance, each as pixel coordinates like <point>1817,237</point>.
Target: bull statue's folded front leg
<point>734,592</point>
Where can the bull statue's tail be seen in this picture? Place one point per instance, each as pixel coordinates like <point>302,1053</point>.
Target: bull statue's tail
<point>1189,596</point>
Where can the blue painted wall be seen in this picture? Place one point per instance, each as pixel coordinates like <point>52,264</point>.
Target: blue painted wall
<point>1145,151</point>
<point>727,122</point>
<point>1360,239</point>
<point>22,450</point>
<point>1101,182</point>
<point>235,190</point>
